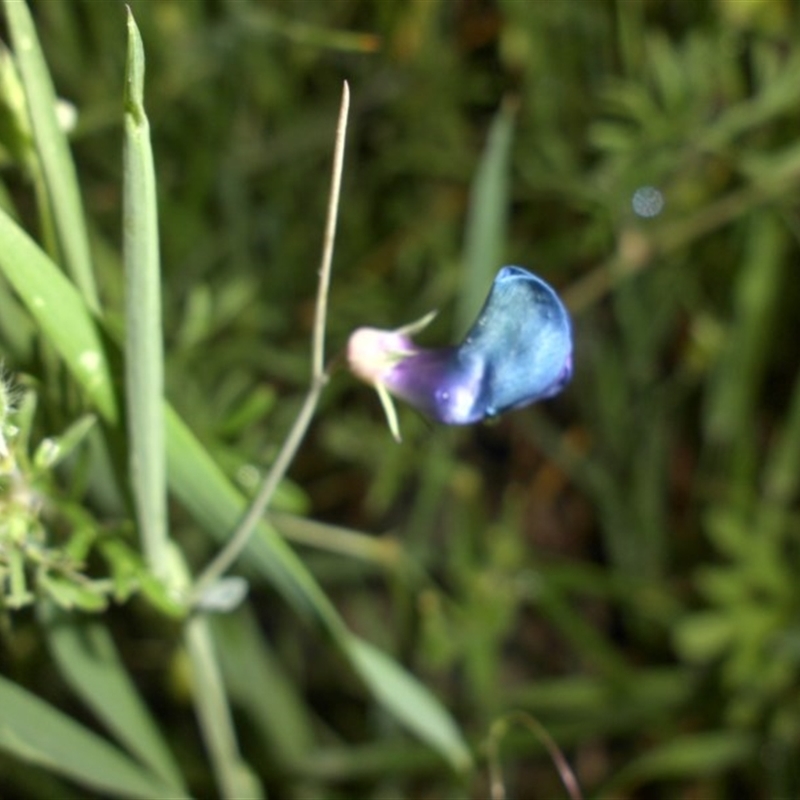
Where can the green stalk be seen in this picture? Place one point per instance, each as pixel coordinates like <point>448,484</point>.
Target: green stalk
<point>144,356</point>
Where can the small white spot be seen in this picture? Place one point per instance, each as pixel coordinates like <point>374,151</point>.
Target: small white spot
<point>90,360</point>
<point>463,401</point>
<point>37,302</point>
<point>456,405</point>
<point>647,201</point>
<point>66,114</point>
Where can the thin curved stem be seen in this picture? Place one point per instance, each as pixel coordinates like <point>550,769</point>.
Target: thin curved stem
<point>232,550</point>
<point>318,339</point>
<point>499,729</point>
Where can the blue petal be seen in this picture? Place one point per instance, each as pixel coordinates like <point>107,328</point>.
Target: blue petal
<point>523,338</point>
<point>518,351</point>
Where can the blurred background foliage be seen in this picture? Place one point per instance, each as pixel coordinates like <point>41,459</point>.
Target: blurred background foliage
<point>621,563</point>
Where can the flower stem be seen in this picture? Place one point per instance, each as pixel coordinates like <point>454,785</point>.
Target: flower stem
<point>228,555</point>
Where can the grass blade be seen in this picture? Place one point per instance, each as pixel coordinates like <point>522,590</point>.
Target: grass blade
<point>88,660</point>
<point>782,471</point>
<point>60,312</point>
<point>38,733</point>
<point>52,147</point>
<point>409,702</point>
<point>486,221</point>
<point>733,389</point>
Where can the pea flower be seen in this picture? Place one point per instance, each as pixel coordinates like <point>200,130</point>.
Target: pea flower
<point>518,351</point>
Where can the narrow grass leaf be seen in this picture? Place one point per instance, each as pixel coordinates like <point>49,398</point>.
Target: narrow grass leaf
<point>782,470</point>
<point>60,312</point>
<point>410,702</point>
<point>487,217</point>
<point>40,734</point>
<point>144,356</point>
<point>734,388</point>
<point>52,147</point>
<point>88,660</point>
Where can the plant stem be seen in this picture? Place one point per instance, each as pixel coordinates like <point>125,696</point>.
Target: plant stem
<point>318,340</point>
<point>228,555</point>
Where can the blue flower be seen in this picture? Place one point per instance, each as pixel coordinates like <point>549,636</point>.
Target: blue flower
<point>518,351</point>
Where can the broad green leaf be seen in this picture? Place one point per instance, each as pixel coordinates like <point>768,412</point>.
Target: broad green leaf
<point>62,315</point>
<point>88,660</point>
<point>40,734</point>
<point>52,148</point>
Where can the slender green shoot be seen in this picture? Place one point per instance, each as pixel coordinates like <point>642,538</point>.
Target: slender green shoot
<point>144,355</point>
<point>228,555</point>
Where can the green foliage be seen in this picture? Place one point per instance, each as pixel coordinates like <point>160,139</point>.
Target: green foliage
<point>617,565</point>
<point>37,733</point>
